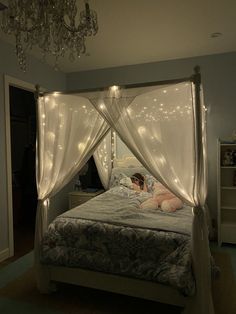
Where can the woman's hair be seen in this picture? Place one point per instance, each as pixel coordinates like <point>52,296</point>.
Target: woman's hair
<point>138,177</point>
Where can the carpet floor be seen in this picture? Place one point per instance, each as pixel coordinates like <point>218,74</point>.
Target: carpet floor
<point>224,288</point>
<point>22,297</point>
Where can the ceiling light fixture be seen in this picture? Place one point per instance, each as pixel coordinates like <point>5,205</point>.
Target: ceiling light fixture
<point>50,25</point>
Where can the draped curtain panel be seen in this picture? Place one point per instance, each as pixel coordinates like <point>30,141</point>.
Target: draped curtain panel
<point>69,129</point>
<point>157,125</point>
<point>103,160</point>
<point>200,233</point>
<point>165,128</point>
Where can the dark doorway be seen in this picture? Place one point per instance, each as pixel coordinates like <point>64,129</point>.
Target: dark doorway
<point>24,191</point>
<point>90,178</point>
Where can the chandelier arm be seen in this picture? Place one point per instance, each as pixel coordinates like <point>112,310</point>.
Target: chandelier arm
<point>71,29</point>
<point>23,29</point>
<point>27,30</point>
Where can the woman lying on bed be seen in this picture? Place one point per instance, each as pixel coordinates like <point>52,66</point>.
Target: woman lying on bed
<point>161,197</point>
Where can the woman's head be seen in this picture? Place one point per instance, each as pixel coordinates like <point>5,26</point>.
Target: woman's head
<point>138,179</point>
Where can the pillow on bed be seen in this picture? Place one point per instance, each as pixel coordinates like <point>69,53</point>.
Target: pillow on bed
<point>119,173</point>
<point>126,181</point>
<point>116,178</point>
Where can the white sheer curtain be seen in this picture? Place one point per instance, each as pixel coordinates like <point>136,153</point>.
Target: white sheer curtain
<point>69,128</point>
<point>200,233</point>
<point>157,125</point>
<point>103,159</point>
<point>164,127</point>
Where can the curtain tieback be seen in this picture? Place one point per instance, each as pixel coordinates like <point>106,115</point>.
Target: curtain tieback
<point>46,203</point>
<point>43,214</point>
<point>198,211</point>
<point>199,214</point>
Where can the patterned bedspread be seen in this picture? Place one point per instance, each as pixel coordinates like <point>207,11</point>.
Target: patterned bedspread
<point>111,234</point>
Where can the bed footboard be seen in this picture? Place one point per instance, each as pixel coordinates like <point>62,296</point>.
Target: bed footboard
<point>108,282</point>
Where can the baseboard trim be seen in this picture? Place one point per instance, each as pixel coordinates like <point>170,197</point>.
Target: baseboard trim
<point>4,254</point>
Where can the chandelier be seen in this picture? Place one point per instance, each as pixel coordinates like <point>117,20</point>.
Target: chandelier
<point>50,25</point>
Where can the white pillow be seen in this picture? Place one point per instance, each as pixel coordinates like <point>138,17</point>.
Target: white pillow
<point>126,181</point>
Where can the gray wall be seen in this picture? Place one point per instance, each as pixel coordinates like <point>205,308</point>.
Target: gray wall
<point>37,73</point>
<point>219,83</point>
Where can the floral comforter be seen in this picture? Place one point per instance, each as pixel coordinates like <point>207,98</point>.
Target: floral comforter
<point>111,234</point>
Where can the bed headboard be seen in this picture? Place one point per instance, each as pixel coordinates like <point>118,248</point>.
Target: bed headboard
<point>123,157</point>
<point>126,162</point>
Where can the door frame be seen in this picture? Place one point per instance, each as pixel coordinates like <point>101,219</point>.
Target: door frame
<point>11,81</point>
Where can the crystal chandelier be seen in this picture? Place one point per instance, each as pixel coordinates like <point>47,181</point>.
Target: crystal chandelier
<point>50,25</point>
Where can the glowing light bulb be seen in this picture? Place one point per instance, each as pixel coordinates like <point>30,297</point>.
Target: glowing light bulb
<point>161,160</point>
<point>102,106</point>
<point>141,130</point>
<point>81,146</point>
<point>114,88</point>
<point>51,136</point>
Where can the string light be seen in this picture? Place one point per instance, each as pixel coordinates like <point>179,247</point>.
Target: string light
<point>141,130</point>
<point>114,88</point>
<point>102,106</point>
<point>51,136</point>
<point>81,146</point>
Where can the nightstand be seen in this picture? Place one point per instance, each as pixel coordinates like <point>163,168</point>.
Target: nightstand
<point>77,198</point>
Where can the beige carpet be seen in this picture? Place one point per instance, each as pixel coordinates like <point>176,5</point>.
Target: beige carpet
<point>72,299</point>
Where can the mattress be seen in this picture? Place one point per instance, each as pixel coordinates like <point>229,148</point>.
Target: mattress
<point>111,234</point>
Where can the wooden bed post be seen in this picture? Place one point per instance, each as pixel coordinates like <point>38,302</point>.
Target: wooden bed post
<point>112,148</point>
<point>197,82</point>
<point>201,303</point>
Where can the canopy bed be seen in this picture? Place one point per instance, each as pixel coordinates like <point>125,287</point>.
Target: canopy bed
<point>163,125</point>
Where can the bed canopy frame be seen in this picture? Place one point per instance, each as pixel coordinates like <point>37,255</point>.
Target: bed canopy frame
<point>61,121</point>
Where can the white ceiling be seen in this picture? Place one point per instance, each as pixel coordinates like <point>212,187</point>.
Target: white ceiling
<point>141,31</point>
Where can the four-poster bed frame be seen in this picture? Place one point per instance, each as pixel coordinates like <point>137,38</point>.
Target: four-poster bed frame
<point>49,275</point>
